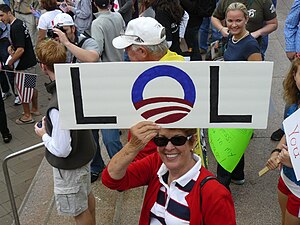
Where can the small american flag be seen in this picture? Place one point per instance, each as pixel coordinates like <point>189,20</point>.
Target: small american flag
<point>25,84</point>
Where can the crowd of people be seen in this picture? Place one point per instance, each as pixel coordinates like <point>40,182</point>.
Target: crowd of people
<point>180,189</point>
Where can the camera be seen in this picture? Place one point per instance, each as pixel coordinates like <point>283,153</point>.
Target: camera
<point>51,34</point>
<point>39,124</point>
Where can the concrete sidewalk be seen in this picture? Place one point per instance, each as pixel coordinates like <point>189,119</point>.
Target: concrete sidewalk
<point>255,201</point>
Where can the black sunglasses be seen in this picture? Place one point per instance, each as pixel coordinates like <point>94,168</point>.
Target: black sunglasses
<point>176,140</point>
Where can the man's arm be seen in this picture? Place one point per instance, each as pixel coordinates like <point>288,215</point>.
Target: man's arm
<point>59,143</point>
<point>270,26</point>
<point>219,26</point>
<point>18,53</point>
<point>291,28</point>
<point>81,54</point>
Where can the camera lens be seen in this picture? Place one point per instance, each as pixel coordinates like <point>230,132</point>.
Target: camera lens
<point>51,34</point>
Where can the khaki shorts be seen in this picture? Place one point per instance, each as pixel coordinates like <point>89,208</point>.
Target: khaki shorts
<point>71,190</point>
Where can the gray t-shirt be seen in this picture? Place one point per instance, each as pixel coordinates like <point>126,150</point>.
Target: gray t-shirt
<point>88,44</point>
<point>105,28</point>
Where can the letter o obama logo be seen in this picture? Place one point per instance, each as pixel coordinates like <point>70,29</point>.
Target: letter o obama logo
<point>164,109</point>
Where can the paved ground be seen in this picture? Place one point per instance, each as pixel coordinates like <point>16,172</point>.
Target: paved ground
<point>22,169</point>
<point>255,201</point>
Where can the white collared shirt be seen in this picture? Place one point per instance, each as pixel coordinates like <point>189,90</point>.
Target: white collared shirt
<point>170,206</point>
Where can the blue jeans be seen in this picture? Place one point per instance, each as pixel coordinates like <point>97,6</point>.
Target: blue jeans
<point>191,37</point>
<point>204,32</point>
<point>111,140</point>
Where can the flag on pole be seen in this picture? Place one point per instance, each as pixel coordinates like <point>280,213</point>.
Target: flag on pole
<point>25,84</point>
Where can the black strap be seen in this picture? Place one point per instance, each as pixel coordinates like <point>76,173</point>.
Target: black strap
<point>207,179</point>
<point>203,182</point>
<point>79,45</point>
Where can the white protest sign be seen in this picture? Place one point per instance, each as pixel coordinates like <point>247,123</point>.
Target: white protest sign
<point>292,134</point>
<point>173,94</point>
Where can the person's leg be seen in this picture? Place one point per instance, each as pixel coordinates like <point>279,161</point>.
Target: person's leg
<point>88,216</point>
<point>27,114</point>
<point>203,33</point>
<point>34,107</point>
<point>191,37</point>
<point>223,176</point>
<point>3,124</point>
<point>4,43</point>
<point>111,140</point>
<point>291,219</point>
<point>92,206</point>
<point>84,218</point>
<point>237,174</point>
<point>11,79</point>
<point>282,199</point>
<point>97,164</point>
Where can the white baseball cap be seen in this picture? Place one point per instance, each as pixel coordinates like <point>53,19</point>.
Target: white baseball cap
<point>141,31</point>
<point>63,19</point>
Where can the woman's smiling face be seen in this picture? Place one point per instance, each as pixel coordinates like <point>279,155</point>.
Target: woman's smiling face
<point>236,21</point>
<point>178,159</point>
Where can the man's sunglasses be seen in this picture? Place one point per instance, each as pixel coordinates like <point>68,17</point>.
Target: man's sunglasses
<point>176,140</point>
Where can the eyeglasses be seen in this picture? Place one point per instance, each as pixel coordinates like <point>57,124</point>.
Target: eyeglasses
<point>133,37</point>
<point>176,140</point>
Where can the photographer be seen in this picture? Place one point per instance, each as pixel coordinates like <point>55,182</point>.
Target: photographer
<point>79,47</point>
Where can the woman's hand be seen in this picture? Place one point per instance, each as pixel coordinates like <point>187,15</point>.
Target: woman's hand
<point>273,162</point>
<point>284,157</point>
<point>142,133</point>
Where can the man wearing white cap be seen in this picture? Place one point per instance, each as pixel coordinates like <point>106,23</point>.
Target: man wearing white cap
<point>80,48</point>
<point>145,40</point>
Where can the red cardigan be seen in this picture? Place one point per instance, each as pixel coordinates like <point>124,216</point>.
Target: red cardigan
<point>217,203</point>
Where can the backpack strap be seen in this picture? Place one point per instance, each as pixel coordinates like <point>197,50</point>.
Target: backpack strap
<point>79,45</point>
<point>202,183</point>
<point>207,179</point>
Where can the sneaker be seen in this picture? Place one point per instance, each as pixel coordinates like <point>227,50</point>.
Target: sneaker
<point>7,138</point>
<point>277,135</point>
<point>5,95</point>
<point>18,101</point>
<point>238,182</point>
<point>94,177</point>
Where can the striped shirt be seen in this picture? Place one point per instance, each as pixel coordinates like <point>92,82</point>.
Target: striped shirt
<point>170,206</point>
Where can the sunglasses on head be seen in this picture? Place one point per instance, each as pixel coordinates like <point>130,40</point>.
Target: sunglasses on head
<point>176,140</point>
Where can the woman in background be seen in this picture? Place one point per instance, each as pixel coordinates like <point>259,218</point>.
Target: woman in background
<point>241,46</point>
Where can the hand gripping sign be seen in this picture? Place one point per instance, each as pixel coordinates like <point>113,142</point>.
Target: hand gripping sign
<point>173,94</point>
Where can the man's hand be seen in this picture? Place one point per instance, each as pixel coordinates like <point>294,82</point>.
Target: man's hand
<point>224,31</point>
<point>291,55</point>
<point>61,36</point>
<point>40,131</point>
<point>8,67</point>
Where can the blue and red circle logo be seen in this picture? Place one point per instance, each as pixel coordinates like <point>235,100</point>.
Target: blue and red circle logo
<point>164,109</point>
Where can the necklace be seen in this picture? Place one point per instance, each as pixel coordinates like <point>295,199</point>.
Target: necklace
<point>236,41</point>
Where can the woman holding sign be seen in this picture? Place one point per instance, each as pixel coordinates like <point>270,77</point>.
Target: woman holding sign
<point>288,186</point>
<point>241,46</point>
<point>180,190</point>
